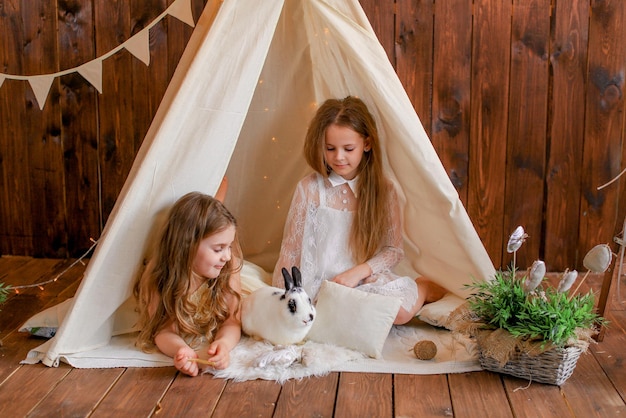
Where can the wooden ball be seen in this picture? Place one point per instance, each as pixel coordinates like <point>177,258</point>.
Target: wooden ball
<point>425,350</point>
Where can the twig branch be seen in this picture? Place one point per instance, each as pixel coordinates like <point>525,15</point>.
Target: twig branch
<point>202,361</point>
<point>614,179</point>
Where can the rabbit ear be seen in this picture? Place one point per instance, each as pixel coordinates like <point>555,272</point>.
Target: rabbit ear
<point>297,276</point>
<point>288,279</point>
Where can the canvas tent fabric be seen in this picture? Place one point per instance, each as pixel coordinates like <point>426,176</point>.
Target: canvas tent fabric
<point>249,81</point>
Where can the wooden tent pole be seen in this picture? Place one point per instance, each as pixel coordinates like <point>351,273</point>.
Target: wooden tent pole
<point>609,276</point>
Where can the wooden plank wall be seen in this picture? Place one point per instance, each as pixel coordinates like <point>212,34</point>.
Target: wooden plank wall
<point>523,101</point>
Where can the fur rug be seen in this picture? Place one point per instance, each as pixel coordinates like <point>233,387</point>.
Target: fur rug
<point>252,359</point>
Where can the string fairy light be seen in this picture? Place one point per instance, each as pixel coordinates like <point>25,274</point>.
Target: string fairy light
<point>41,285</point>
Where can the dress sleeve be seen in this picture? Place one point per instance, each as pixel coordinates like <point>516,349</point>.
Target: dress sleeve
<point>291,246</point>
<point>391,252</point>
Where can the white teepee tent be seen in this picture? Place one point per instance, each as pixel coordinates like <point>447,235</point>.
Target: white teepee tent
<point>239,103</point>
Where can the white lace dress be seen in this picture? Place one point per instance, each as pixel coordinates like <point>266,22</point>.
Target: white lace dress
<point>316,240</point>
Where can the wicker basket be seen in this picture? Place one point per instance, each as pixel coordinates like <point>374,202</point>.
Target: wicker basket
<point>554,366</point>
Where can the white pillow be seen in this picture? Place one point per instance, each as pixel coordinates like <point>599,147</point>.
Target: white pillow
<point>353,318</point>
<point>253,277</point>
<point>438,312</point>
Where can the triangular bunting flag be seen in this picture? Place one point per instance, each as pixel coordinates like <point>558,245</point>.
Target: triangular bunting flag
<point>181,10</point>
<point>41,86</point>
<point>139,45</point>
<point>92,72</point>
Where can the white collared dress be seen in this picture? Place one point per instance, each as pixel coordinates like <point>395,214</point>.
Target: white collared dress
<point>316,240</point>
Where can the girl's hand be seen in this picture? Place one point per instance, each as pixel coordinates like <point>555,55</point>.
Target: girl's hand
<point>182,363</point>
<point>353,277</point>
<point>219,354</point>
<point>347,279</point>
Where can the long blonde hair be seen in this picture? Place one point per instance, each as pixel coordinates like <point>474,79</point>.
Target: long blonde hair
<point>371,220</point>
<point>167,278</point>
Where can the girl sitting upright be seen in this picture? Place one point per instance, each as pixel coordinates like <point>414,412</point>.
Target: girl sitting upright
<point>344,222</point>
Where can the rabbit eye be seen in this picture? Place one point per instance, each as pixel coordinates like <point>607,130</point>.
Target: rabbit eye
<point>292,306</point>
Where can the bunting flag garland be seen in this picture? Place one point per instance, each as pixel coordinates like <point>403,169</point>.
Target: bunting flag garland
<point>182,11</point>
<point>138,45</point>
<point>41,86</point>
<point>92,72</point>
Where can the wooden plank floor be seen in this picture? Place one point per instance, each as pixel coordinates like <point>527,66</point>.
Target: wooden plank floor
<point>596,389</point>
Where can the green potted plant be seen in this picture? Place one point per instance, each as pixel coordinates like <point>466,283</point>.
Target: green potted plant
<point>529,329</point>
<point>4,291</point>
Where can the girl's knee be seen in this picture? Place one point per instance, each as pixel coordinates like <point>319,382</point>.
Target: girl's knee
<point>429,290</point>
<point>403,317</point>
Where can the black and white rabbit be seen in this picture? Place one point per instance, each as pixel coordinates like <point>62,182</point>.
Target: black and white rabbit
<point>280,316</point>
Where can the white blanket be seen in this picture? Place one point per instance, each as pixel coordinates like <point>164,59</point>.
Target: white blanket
<point>455,353</point>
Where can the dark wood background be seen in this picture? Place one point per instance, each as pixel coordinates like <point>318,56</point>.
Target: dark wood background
<point>523,101</point>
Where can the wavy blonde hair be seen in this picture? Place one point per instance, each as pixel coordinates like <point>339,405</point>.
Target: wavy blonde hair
<point>165,285</point>
<point>371,220</point>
